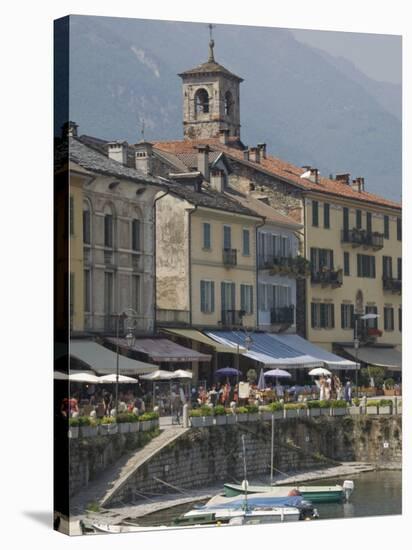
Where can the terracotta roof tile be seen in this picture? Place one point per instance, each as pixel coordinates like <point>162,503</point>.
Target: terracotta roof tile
<point>278,168</point>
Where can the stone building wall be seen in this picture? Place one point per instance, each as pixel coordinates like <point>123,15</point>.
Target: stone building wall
<point>208,456</point>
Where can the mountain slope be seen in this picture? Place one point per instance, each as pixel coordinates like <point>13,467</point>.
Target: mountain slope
<point>307,106</point>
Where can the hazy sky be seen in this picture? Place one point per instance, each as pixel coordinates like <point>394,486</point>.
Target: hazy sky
<point>377,55</point>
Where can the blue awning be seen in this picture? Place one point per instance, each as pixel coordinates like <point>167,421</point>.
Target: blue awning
<point>267,350</point>
<point>304,346</point>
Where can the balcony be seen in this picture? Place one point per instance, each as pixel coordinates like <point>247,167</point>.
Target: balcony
<point>327,278</point>
<point>285,265</point>
<point>282,315</point>
<point>172,317</point>
<point>232,317</point>
<point>393,285</point>
<point>361,237</point>
<point>229,257</point>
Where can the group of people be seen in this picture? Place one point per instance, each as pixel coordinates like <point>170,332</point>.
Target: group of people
<point>219,394</point>
<point>331,387</point>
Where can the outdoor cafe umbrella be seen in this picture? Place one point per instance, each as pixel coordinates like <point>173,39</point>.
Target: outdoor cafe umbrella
<point>320,371</point>
<point>85,377</point>
<point>261,383</point>
<point>278,373</point>
<point>180,373</point>
<point>158,375</point>
<point>112,379</point>
<point>227,371</point>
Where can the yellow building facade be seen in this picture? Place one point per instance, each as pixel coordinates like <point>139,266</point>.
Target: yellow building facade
<point>205,265</point>
<point>355,249</point>
<point>76,279</point>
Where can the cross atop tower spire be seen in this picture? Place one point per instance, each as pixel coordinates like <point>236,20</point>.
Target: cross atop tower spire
<point>211,44</point>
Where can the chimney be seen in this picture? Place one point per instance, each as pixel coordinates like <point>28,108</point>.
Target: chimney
<point>69,129</point>
<point>143,157</point>
<point>262,149</point>
<point>217,180</point>
<point>312,175</point>
<point>343,178</point>
<point>224,136</point>
<point>254,154</point>
<point>358,184</point>
<point>117,150</point>
<point>203,161</point>
<point>245,154</point>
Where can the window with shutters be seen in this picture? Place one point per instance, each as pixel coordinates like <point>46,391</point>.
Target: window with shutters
<point>206,236</point>
<point>86,223</point>
<point>366,266</point>
<point>386,227</point>
<point>369,222</point>
<point>87,291</point>
<point>227,237</point>
<point>321,258</point>
<point>347,316</point>
<point>372,323</point>
<point>136,238</point>
<point>399,229</point>
<point>346,263</point>
<point>281,296</point>
<point>228,294</point>
<point>262,246</point>
<point>207,296</point>
<point>108,230</point>
<point>387,267</point>
<point>136,293</point>
<point>285,247</point>
<point>359,219</point>
<point>246,242</point>
<point>326,215</point>
<point>315,213</point>
<point>322,315</point>
<point>345,219</point>
<point>388,322</point>
<point>246,298</point>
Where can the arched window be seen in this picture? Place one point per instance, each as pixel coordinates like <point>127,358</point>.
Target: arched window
<point>108,227</point>
<point>201,101</point>
<point>228,103</point>
<point>136,234</point>
<point>86,222</point>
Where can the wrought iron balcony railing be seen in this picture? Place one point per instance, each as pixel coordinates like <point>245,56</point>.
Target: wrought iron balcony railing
<point>283,315</point>
<point>362,237</point>
<point>232,317</point>
<point>327,277</point>
<point>229,256</point>
<point>394,285</point>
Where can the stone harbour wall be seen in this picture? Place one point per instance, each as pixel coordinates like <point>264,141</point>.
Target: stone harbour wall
<point>207,456</point>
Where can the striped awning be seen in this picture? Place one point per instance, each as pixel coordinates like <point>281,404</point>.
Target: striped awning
<point>201,338</point>
<point>267,350</point>
<point>162,350</point>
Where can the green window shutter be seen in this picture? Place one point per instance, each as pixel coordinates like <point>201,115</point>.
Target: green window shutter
<point>212,291</point>
<point>345,219</point>
<point>233,290</point>
<point>206,235</point>
<point>386,227</point>
<point>315,213</point>
<point>326,215</point>
<point>202,296</point>
<point>246,242</point>
<point>359,219</point>
<point>251,300</point>
<point>359,259</point>
<point>332,315</point>
<point>369,222</point>
<point>313,314</point>
<point>399,229</point>
<point>242,298</point>
<point>342,316</point>
<point>352,316</point>
<point>322,315</point>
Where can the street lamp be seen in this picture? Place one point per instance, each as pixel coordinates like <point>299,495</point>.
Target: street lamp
<point>130,316</point>
<point>356,343</point>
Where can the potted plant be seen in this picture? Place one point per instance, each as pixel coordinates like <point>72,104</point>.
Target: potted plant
<point>73,428</point>
<point>241,414</point>
<point>108,426</point>
<point>313,407</point>
<point>253,413</point>
<point>385,406</point>
<point>201,417</point>
<point>354,409</point>
<point>338,407</point>
<point>145,420</point>
<point>324,406</point>
<point>123,422</point>
<point>292,409</point>
<point>372,406</point>
<point>389,387</point>
<point>88,426</point>
<point>134,422</point>
<point>219,415</point>
<point>276,409</point>
<point>230,416</point>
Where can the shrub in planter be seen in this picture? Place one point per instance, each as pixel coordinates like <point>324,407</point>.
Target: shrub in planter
<point>124,420</point>
<point>292,409</point>
<point>201,417</point>
<point>276,408</point>
<point>73,428</point>
<point>88,426</point>
<point>220,415</point>
<point>253,413</point>
<point>372,406</point>
<point>242,414</point>
<point>108,425</point>
<point>147,420</point>
<point>338,407</point>
<point>385,406</point>
<point>313,407</point>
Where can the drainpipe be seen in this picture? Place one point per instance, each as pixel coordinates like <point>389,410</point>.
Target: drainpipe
<point>154,259</point>
<point>190,262</point>
<point>257,270</point>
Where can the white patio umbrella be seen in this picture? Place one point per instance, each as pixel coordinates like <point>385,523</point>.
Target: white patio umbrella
<point>111,379</point>
<point>278,373</point>
<point>180,373</point>
<point>320,371</point>
<point>158,375</point>
<point>85,377</point>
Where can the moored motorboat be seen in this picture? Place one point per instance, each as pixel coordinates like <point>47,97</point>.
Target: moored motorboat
<point>314,493</point>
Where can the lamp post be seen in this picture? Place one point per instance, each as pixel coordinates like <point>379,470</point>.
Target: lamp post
<point>130,315</point>
<point>356,343</point>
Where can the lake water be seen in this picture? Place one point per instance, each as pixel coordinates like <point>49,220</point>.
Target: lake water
<point>376,494</point>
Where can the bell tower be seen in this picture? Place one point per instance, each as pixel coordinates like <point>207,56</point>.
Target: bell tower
<point>210,99</point>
